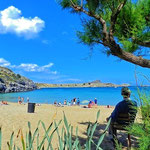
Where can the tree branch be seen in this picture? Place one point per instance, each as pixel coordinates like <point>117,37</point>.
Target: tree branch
<point>138,60</point>
<point>144,43</point>
<point>108,39</point>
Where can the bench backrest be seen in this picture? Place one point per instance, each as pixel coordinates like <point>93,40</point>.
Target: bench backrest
<point>124,120</point>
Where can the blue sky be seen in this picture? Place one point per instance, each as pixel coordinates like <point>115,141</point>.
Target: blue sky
<point>38,40</point>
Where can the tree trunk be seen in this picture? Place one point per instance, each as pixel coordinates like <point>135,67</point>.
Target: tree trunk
<point>138,60</point>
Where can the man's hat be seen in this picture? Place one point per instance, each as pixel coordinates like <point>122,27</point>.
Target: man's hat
<point>125,91</point>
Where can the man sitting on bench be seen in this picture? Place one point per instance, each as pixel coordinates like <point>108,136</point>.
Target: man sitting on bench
<point>123,114</point>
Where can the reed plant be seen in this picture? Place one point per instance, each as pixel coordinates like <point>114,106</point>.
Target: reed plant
<point>142,129</point>
<point>66,139</point>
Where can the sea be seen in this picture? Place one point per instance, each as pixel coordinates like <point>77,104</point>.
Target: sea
<point>104,95</point>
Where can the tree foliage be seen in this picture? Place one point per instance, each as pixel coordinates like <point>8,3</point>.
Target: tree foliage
<point>123,26</point>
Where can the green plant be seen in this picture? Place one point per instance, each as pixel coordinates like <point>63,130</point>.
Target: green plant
<point>118,145</point>
<point>142,129</point>
<point>66,138</point>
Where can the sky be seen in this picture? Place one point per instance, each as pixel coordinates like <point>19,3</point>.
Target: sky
<point>38,40</point>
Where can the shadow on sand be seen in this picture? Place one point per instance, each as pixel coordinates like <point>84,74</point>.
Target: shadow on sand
<point>107,144</point>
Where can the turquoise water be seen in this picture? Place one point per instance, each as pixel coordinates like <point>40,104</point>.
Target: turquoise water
<point>105,96</point>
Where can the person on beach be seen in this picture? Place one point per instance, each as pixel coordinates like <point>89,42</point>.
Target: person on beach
<point>90,104</point>
<point>55,102</point>
<point>74,101</point>
<point>65,102</point>
<point>22,99</point>
<point>78,101</point>
<point>27,99</point>
<point>4,103</point>
<point>19,100</point>
<point>95,101</point>
<point>123,107</point>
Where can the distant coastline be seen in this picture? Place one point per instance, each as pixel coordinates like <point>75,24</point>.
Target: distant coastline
<point>96,83</point>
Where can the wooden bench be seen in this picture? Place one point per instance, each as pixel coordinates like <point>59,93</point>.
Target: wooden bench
<point>122,122</point>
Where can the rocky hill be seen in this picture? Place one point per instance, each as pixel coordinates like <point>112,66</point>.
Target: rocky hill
<point>96,83</point>
<point>11,82</point>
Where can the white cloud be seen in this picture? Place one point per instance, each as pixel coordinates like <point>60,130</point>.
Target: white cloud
<point>11,21</point>
<point>28,67</point>
<point>4,63</point>
<point>35,67</point>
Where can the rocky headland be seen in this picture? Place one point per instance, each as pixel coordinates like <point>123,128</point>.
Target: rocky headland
<point>96,83</point>
<point>11,82</point>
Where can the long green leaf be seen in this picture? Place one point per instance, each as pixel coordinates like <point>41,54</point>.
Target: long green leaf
<point>88,129</point>
<point>98,114</point>
<point>14,147</point>
<point>100,140</point>
<point>29,135</point>
<point>18,148</point>
<point>37,141</point>
<point>70,138</point>
<point>30,139</point>
<point>22,141</point>
<point>11,140</point>
<point>8,145</point>
<point>34,135</point>
<point>29,125</point>
<point>93,130</point>
<point>51,136</point>
<point>59,138</point>
<point>46,133</point>
<point>62,132</point>
<point>108,124</point>
<point>65,139</point>
<point>76,132</point>
<point>104,133</point>
<point>27,141</point>
<point>66,123</point>
<point>99,148</point>
<point>75,144</point>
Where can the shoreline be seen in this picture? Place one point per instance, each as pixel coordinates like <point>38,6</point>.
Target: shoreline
<point>49,104</point>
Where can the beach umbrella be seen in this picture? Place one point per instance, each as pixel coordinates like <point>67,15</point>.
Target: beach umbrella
<point>85,101</point>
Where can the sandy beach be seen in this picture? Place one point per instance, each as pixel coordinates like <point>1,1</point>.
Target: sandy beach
<point>14,117</point>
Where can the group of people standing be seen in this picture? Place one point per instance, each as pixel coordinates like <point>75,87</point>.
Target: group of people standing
<point>21,100</point>
<point>92,103</point>
<point>74,101</point>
